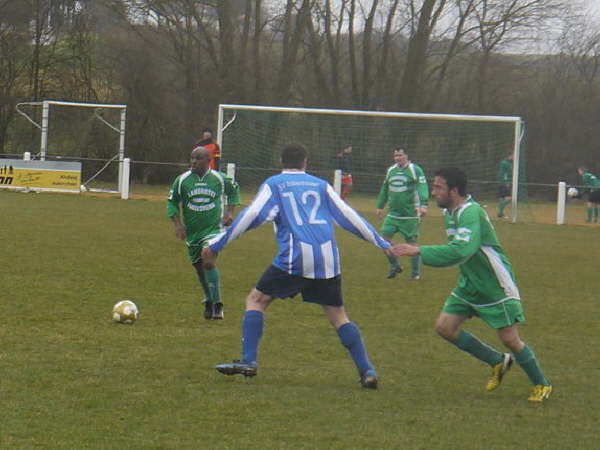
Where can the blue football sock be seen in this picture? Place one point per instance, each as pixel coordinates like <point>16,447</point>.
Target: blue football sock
<point>252,329</point>
<point>351,339</point>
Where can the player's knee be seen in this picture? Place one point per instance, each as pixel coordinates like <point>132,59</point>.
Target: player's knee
<point>513,343</point>
<point>336,315</point>
<point>208,265</point>
<point>445,331</point>
<point>256,300</point>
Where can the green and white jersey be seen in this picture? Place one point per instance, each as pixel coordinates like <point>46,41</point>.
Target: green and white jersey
<point>404,190</point>
<point>591,182</point>
<point>486,276</point>
<point>201,200</point>
<point>505,171</point>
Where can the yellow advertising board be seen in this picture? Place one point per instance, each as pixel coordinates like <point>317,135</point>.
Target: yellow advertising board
<point>60,176</point>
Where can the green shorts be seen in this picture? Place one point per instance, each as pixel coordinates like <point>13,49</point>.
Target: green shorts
<point>195,249</point>
<point>408,227</point>
<point>497,316</point>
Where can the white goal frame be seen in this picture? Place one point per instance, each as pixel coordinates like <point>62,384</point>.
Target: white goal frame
<point>123,176</point>
<point>515,120</point>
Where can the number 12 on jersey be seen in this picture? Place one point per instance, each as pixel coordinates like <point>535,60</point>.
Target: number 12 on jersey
<point>305,202</point>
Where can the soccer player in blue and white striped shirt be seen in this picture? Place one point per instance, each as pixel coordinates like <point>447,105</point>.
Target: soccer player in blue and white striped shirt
<point>303,209</point>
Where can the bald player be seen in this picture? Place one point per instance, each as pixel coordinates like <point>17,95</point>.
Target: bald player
<point>200,203</point>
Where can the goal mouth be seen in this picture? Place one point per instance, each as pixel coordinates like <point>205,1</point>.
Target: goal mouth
<point>252,136</point>
<point>91,133</point>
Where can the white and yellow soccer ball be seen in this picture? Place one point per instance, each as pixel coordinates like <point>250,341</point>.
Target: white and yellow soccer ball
<point>572,192</point>
<point>126,312</point>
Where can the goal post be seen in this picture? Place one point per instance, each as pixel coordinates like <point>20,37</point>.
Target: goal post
<point>251,136</point>
<point>45,120</point>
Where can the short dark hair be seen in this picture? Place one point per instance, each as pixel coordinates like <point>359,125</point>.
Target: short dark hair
<point>293,156</point>
<point>455,178</point>
<point>207,130</point>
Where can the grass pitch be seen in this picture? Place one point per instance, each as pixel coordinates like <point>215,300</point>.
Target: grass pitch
<point>71,378</point>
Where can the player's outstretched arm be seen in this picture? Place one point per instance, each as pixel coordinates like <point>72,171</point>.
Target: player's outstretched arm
<point>350,220</point>
<point>262,209</point>
<point>466,243</point>
<point>405,250</point>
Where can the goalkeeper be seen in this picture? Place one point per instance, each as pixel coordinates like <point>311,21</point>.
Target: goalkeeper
<point>406,192</point>
<point>198,195</point>
<point>486,287</point>
<point>592,188</point>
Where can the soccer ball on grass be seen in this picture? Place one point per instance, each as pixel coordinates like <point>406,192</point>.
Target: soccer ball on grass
<point>572,192</point>
<point>126,312</point>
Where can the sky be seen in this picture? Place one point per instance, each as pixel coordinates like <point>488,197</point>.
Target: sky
<point>593,6</point>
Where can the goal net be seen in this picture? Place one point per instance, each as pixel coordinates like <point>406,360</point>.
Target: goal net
<point>88,132</point>
<point>252,136</point>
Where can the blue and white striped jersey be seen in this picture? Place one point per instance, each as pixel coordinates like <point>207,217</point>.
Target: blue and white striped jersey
<point>303,209</point>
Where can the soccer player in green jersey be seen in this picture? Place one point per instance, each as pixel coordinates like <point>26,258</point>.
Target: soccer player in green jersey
<point>486,287</point>
<point>505,172</point>
<point>406,193</point>
<point>198,195</point>
<point>592,188</point>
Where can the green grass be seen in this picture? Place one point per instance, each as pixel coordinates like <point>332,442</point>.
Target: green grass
<point>70,378</point>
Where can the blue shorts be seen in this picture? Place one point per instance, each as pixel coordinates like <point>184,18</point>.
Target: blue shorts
<point>278,283</point>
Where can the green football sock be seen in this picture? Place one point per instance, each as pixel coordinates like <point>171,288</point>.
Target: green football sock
<point>596,215</point>
<point>529,363</point>
<point>415,261</point>
<point>480,350</point>
<point>205,289</point>
<point>393,260</point>
<point>590,211</point>
<point>502,205</point>
<point>212,279</point>
<point>202,280</point>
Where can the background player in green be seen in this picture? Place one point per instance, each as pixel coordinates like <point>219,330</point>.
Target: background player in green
<point>406,193</point>
<point>592,188</point>
<point>486,287</point>
<point>505,171</point>
<point>199,195</point>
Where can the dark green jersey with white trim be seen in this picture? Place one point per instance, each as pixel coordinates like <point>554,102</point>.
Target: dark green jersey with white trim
<point>486,275</point>
<point>505,171</point>
<point>590,181</point>
<point>404,190</point>
<point>201,200</point>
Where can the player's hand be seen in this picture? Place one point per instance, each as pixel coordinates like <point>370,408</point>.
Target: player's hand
<point>422,211</point>
<point>180,231</point>
<point>227,219</point>
<point>208,256</point>
<point>406,250</point>
<point>380,213</point>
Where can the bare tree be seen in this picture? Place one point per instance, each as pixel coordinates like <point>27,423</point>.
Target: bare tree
<point>411,86</point>
<point>500,23</point>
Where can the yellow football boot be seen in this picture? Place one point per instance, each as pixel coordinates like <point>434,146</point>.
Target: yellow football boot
<point>540,393</point>
<point>498,372</point>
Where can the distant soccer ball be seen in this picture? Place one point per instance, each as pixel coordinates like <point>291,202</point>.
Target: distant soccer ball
<point>83,188</point>
<point>126,312</point>
<point>572,192</point>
